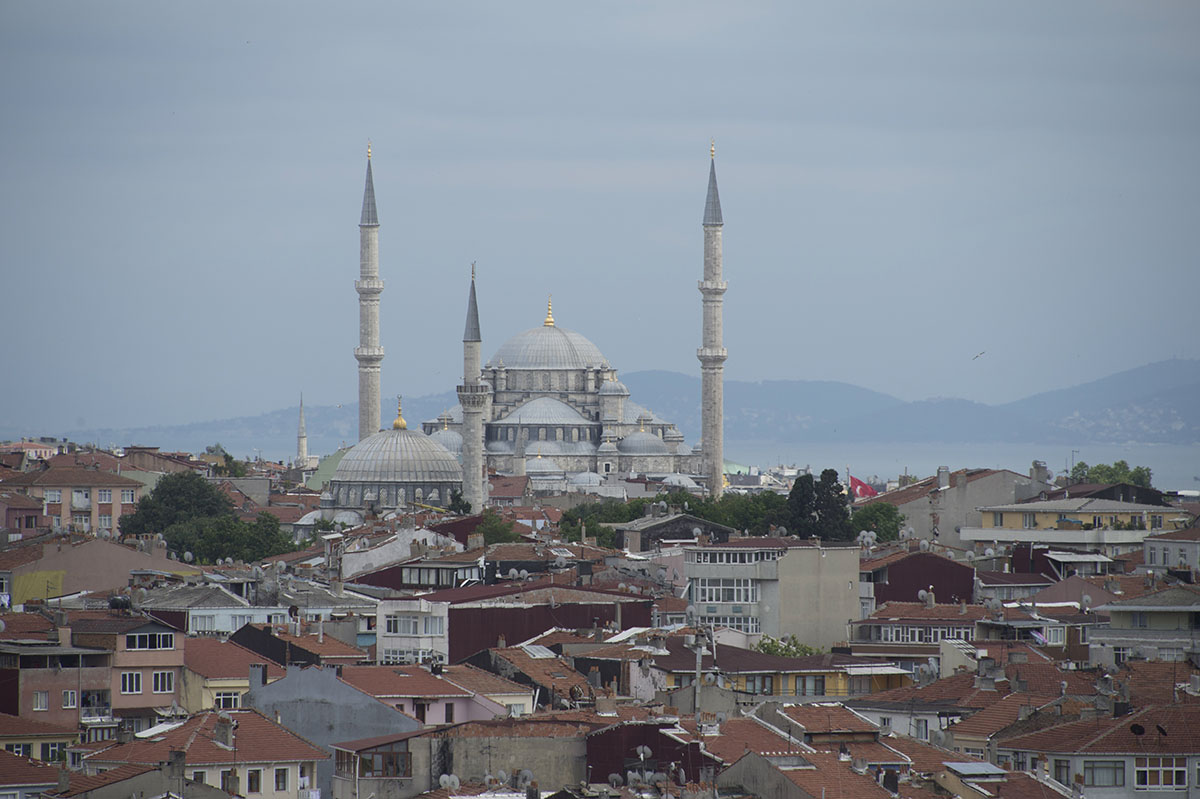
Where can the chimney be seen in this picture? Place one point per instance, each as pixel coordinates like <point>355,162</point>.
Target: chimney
<point>258,675</point>
<point>533,791</point>
<point>943,477</point>
<point>124,735</point>
<point>223,731</point>
<point>501,641</point>
<point>175,762</point>
<point>64,781</point>
<point>321,630</point>
<point>962,608</point>
<point>930,600</point>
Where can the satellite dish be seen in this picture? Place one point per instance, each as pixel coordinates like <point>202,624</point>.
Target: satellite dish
<point>922,595</point>
<point>188,557</point>
<point>158,536</point>
<point>989,552</point>
<point>970,556</point>
<point>644,752</point>
<point>621,586</point>
<point>454,782</point>
<point>1085,601</point>
<point>524,778</point>
<point>502,775</point>
<point>513,574</point>
<point>616,780</point>
<point>950,554</point>
<point>924,545</point>
<point>3,626</point>
<point>710,678</point>
<point>560,562</point>
<point>695,532</point>
<point>721,716</point>
<point>524,574</point>
<point>280,565</point>
<point>444,780</point>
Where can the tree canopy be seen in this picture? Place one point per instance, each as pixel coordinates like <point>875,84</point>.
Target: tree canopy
<point>1118,472</point>
<point>495,530</point>
<point>819,507</point>
<point>178,497</point>
<point>787,647</point>
<point>882,517</point>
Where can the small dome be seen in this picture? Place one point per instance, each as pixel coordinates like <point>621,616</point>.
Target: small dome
<point>680,481</point>
<point>540,465</point>
<point>642,443</point>
<point>635,412</point>
<point>548,347</point>
<point>698,448</point>
<point>613,388</point>
<point>607,448</point>
<point>587,479</point>
<point>349,518</point>
<point>398,456</point>
<point>450,439</point>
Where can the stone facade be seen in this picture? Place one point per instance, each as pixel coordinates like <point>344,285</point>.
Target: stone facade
<point>368,353</point>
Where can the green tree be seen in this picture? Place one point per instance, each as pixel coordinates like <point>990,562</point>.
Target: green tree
<point>884,518</point>
<point>1079,472</point>
<point>789,647</point>
<point>1117,472</point>
<point>458,504</point>
<point>495,530</point>
<point>178,497</point>
<point>802,507</point>
<point>833,513</point>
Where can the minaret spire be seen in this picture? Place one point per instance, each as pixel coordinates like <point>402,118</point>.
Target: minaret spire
<point>712,352</point>
<point>368,353</point>
<point>473,398</point>
<point>301,438</point>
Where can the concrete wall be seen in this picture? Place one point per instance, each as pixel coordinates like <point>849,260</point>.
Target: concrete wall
<point>818,598</point>
<point>316,705</point>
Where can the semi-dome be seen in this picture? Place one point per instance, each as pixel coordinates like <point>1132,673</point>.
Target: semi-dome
<point>587,479</point>
<point>545,411</point>
<point>541,465</point>
<point>679,481</point>
<point>642,443</point>
<point>548,347</point>
<point>450,439</point>
<point>614,388</point>
<point>398,456</point>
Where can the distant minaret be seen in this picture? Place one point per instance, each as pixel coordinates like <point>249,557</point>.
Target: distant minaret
<point>472,396</point>
<point>301,439</point>
<point>368,353</point>
<point>712,352</point>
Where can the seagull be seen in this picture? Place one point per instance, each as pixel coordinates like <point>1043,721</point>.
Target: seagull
<point>976,358</point>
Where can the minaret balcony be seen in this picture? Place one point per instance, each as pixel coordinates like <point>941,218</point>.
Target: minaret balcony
<point>370,285</point>
<point>368,354</point>
<point>712,287</point>
<point>712,355</point>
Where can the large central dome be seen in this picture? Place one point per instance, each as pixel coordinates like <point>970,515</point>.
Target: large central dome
<point>398,456</point>
<point>548,347</point>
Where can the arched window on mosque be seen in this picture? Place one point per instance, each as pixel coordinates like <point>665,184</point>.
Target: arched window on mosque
<point>419,495</point>
<point>435,496</point>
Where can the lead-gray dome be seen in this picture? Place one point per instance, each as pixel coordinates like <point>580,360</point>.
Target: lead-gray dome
<point>614,388</point>
<point>398,456</point>
<point>642,443</point>
<point>450,439</point>
<point>544,411</point>
<point>548,347</point>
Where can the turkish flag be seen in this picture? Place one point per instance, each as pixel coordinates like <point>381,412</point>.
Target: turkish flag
<point>861,489</point>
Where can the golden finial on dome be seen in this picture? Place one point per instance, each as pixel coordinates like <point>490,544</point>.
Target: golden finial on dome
<point>399,424</point>
<point>368,149</point>
<point>712,148</point>
<point>549,312</point>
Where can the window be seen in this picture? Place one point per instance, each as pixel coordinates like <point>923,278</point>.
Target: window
<point>23,750</point>
<point>82,521</point>
<point>227,779</point>
<point>1156,521</point>
<point>52,495</point>
<point>150,641</point>
<point>449,712</point>
<point>104,495</point>
<point>726,589</point>
<point>1156,773</point>
<point>921,729</point>
<point>41,700</point>
<point>885,723</point>
<point>281,779</point>
<point>52,751</point>
<point>164,682</point>
<point>254,780</point>
<point>131,682</point>
<point>1055,636</point>
<point>104,521</point>
<point>1139,619</point>
<point>810,685</point>
<point>70,699</point>
<point>127,496</point>
<point>204,623</point>
<point>434,625</point>
<point>1104,773</point>
<point>997,519</point>
<point>1120,655</point>
<point>1151,556</point>
<point>1029,520</point>
<point>227,700</point>
<point>81,496</point>
<point>1062,772</point>
<point>401,625</point>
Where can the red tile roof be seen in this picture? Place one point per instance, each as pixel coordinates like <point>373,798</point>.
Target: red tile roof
<point>25,626</point>
<point>257,739</point>
<point>957,689</point>
<point>216,659</point>
<point>479,681</point>
<point>737,736</point>
<point>71,477</point>
<point>992,719</point>
<point>926,758</point>
<point>82,783</point>
<point>328,649</point>
<point>834,777</point>
<point>16,770</point>
<point>553,673</point>
<point>387,682</point>
<point>1158,729</point>
<point>826,717</point>
<point>22,725</point>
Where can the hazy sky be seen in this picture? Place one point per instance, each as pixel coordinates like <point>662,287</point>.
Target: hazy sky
<point>904,185</point>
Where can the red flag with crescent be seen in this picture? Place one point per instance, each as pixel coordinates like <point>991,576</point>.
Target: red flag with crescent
<point>860,489</point>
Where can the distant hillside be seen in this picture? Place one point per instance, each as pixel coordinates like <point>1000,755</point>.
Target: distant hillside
<point>1153,404</point>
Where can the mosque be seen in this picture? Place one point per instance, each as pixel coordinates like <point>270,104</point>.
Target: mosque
<point>547,404</point>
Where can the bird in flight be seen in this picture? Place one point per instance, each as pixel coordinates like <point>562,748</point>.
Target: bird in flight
<point>976,358</point>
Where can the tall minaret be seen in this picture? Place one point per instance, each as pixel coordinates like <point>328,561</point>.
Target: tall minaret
<point>368,353</point>
<point>712,352</point>
<point>301,439</point>
<point>472,396</point>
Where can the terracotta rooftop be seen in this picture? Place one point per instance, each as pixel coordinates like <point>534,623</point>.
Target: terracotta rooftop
<point>926,758</point>
<point>328,649</point>
<point>25,626</point>
<point>1158,729</point>
<point>992,719</point>
<point>34,728</point>
<point>1191,533</point>
<point>256,739</point>
<point>553,673</point>
<point>482,682</point>
<point>82,783</point>
<point>834,777</point>
<point>16,770</point>
<point>216,659</point>
<point>737,736</point>
<point>923,488</point>
<point>1154,682</point>
<point>919,611</point>
<point>524,727</point>
<point>957,690</point>
<point>827,717</point>
<point>387,682</point>
<point>71,477</point>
